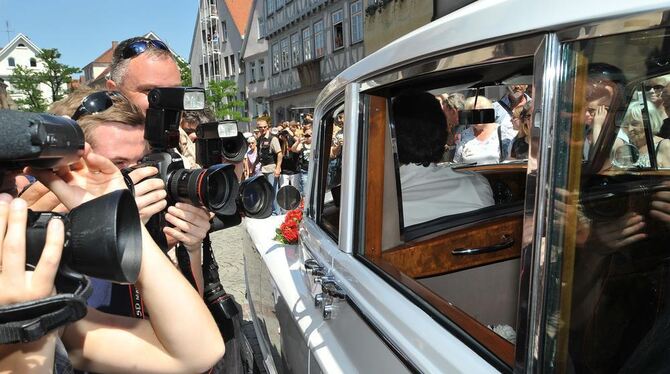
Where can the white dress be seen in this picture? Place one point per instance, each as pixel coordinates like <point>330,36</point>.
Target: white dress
<point>470,149</point>
<point>437,190</point>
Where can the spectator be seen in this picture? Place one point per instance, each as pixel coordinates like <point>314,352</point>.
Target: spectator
<point>483,143</point>
<point>429,190</point>
<point>252,165</point>
<point>515,97</point>
<point>522,139</point>
<point>290,167</point>
<point>304,149</point>
<point>270,154</point>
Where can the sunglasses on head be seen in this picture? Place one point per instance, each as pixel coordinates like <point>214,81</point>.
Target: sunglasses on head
<point>139,46</point>
<point>95,103</point>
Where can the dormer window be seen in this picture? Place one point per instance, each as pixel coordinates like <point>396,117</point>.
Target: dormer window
<point>21,45</point>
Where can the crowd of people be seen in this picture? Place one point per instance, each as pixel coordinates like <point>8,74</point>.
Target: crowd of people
<point>280,153</point>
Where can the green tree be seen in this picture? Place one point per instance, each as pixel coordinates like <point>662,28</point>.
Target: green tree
<point>27,82</point>
<point>222,99</point>
<point>185,71</point>
<point>55,74</point>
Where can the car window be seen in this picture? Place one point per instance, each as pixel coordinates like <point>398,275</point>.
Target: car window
<point>330,172</point>
<point>446,172</point>
<point>607,306</point>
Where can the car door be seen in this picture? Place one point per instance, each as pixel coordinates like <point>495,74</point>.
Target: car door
<point>602,261</point>
<point>397,291</point>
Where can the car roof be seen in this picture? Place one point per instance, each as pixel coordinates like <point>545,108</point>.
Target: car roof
<point>486,21</point>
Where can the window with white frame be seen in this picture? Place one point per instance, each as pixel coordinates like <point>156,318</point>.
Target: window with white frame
<point>224,31</point>
<point>307,43</point>
<point>275,58</point>
<point>338,29</point>
<point>295,49</point>
<point>319,39</point>
<point>285,59</point>
<point>233,70</point>
<point>11,61</point>
<point>356,21</point>
<point>270,6</point>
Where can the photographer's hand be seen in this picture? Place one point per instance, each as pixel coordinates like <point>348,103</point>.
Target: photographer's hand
<point>95,177</point>
<point>18,285</point>
<point>191,225</point>
<point>150,192</point>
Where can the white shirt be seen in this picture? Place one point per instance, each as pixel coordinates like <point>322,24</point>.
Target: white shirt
<point>437,191</point>
<point>470,149</point>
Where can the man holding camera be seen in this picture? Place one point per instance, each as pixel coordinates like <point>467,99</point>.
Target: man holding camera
<point>270,154</point>
<point>182,335</point>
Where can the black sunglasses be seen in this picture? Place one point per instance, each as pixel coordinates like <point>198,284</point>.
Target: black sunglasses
<point>95,103</point>
<point>139,46</point>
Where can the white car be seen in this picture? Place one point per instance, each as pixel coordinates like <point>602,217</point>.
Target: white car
<point>543,252</point>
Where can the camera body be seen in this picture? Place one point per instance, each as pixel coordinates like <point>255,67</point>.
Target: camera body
<point>219,141</point>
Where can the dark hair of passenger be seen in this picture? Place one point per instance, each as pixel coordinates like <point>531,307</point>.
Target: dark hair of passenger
<point>420,128</point>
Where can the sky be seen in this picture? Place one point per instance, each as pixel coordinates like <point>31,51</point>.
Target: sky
<point>83,30</point>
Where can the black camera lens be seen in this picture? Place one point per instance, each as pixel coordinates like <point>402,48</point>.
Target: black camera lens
<point>106,246</point>
<point>214,188</point>
<point>256,197</point>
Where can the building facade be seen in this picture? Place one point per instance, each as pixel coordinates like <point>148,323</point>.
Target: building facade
<point>21,51</point>
<point>255,62</point>
<point>309,43</point>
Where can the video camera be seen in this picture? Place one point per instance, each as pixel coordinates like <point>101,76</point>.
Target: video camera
<point>43,141</point>
<point>105,245</point>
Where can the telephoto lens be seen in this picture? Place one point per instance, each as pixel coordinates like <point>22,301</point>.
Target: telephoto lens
<point>103,237</point>
<point>216,188</point>
<point>256,197</point>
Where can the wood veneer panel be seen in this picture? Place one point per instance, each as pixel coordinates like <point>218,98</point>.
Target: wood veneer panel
<point>374,207</point>
<point>433,257</point>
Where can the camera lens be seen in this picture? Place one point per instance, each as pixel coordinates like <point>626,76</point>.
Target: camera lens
<point>214,187</point>
<point>256,197</point>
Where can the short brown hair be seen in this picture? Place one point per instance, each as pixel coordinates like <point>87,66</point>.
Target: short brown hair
<point>123,111</point>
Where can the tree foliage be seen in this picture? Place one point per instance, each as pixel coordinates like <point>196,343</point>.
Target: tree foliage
<point>222,99</point>
<point>27,82</point>
<point>185,71</point>
<point>55,74</point>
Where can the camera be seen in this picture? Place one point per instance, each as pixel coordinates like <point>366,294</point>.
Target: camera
<point>222,140</point>
<point>106,245</point>
<point>103,245</point>
<point>210,187</point>
<point>219,141</point>
<point>38,140</point>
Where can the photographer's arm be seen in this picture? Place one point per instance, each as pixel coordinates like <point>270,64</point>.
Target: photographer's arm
<point>17,285</point>
<point>180,337</point>
<point>191,225</point>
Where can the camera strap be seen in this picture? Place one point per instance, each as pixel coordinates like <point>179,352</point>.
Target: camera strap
<point>29,321</point>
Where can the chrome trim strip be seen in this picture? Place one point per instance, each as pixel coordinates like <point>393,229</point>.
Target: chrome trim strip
<point>507,50</point>
<point>644,21</point>
<point>349,160</point>
<point>538,221</point>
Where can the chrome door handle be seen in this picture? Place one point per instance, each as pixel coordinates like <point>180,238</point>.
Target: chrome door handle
<point>507,242</point>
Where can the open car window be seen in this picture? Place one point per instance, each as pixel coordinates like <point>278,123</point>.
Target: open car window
<point>445,191</point>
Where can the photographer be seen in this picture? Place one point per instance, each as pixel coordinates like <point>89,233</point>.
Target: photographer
<point>121,125</point>
<point>181,336</point>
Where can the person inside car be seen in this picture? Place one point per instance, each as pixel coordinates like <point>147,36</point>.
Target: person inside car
<point>430,190</point>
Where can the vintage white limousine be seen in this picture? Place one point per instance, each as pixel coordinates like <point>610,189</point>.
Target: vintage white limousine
<point>501,202</point>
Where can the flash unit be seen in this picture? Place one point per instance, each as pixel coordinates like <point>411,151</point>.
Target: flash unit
<point>177,98</point>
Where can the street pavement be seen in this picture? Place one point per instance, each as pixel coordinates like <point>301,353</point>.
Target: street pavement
<point>227,246</point>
